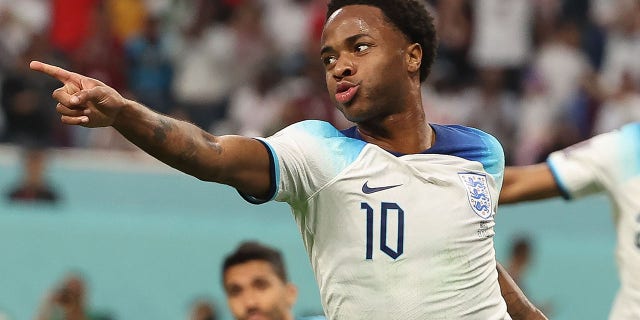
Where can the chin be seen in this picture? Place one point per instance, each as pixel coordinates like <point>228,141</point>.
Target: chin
<point>358,113</point>
<point>355,118</point>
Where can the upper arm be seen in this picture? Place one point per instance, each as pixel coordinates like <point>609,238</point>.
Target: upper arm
<point>245,164</point>
<point>528,183</point>
<point>288,166</point>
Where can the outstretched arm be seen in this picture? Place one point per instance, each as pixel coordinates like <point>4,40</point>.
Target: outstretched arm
<point>238,161</point>
<point>526,183</point>
<point>518,306</point>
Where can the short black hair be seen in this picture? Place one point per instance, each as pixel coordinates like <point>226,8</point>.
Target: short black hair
<point>250,251</point>
<point>521,246</point>
<point>411,17</point>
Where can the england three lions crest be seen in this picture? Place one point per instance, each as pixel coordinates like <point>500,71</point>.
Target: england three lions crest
<point>478,193</point>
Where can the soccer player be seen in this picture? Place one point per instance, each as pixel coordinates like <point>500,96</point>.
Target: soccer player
<point>396,214</point>
<point>608,163</point>
<point>255,281</point>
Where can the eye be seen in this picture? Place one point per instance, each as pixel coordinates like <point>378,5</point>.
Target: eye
<point>328,60</point>
<point>234,291</point>
<point>261,284</point>
<point>360,47</point>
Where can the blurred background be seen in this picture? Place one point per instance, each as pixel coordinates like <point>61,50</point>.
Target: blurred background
<point>146,242</point>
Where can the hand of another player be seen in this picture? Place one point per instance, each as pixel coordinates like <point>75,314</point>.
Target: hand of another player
<point>82,100</point>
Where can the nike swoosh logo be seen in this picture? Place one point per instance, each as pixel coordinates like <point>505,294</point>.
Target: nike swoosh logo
<point>369,190</point>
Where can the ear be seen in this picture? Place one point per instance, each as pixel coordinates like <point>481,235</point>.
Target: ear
<point>413,55</point>
<point>292,294</point>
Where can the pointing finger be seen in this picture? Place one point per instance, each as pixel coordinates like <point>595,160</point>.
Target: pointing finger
<point>62,75</point>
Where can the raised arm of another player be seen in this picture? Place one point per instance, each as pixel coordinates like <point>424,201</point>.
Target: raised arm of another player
<point>237,161</point>
<point>518,306</point>
<point>525,183</point>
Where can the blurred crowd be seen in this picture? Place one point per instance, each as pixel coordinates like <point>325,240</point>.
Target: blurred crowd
<point>537,74</point>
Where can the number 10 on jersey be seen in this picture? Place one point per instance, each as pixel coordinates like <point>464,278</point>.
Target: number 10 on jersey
<point>386,209</point>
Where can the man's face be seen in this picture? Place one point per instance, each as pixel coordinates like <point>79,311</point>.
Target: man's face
<point>254,291</point>
<point>365,59</point>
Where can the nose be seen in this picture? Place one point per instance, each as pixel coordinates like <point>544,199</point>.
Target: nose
<point>344,68</point>
<point>250,300</point>
<point>250,305</point>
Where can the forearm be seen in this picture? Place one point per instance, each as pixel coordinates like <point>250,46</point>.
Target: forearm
<point>528,183</point>
<point>518,306</point>
<point>179,144</point>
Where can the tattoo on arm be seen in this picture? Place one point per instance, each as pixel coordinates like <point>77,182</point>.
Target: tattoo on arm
<point>160,131</point>
<point>184,149</point>
<point>211,142</point>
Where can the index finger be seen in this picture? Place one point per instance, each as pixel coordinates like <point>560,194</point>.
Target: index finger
<point>62,75</point>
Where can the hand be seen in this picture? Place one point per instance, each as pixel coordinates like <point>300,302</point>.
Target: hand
<point>82,100</point>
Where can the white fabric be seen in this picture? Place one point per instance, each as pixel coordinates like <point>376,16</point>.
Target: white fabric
<point>444,266</point>
<point>502,32</point>
<point>610,163</point>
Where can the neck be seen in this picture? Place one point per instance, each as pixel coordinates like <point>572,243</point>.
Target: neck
<point>406,132</point>
<point>75,313</point>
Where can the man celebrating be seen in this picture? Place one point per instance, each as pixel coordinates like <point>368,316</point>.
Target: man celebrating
<point>396,214</point>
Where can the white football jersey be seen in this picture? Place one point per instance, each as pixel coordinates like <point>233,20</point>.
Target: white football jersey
<point>395,236</point>
<point>610,163</point>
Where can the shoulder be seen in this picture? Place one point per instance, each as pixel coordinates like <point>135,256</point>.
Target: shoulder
<point>468,136</point>
<point>318,128</point>
<point>319,135</point>
<point>317,142</point>
<point>631,132</point>
<point>618,142</point>
<point>470,144</point>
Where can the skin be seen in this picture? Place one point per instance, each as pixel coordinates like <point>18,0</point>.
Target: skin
<point>202,311</point>
<point>254,291</point>
<point>359,49</point>
<point>356,44</point>
<point>237,161</point>
<point>518,306</point>
<point>72,303</point>
<point>387,108</point>
<point>526,183</point>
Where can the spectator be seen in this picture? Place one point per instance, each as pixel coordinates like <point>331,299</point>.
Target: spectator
<point>68,301</point>
<point>622,46</point>
<point>149,65</point>
<point>256,283</point>
<point>519,260</point>
<point>70,23</point>
<point>499,108</point>
<point>203,309</point>
<point>551,88</point>
<point>19,21</point>
<point>256,108</point>
<point>213,55</point>
<point>33,187</point>
<point>502,35</point>
<point>619,108</point>
<point>30,125</point>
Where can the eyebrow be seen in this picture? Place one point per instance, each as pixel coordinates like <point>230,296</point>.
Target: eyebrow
<point>348,40</point>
